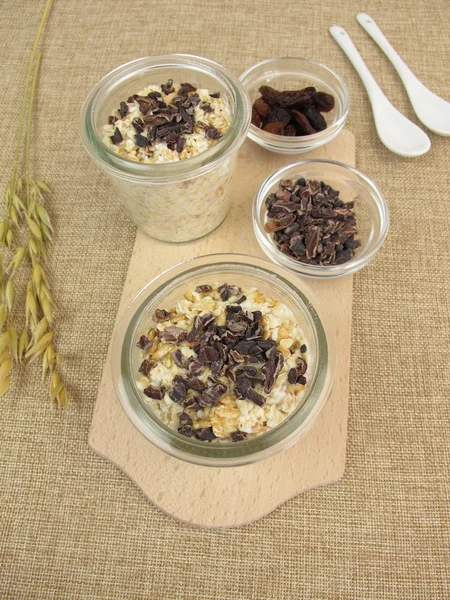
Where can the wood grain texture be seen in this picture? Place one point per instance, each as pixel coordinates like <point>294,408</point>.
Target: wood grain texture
<point>190,492</point>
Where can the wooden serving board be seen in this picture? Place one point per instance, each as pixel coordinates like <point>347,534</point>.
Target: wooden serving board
<point>227,497</point>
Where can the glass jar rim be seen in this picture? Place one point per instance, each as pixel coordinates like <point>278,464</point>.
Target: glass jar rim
<point>178,170</point>
<point>316,271</point>
<point>282,436</point>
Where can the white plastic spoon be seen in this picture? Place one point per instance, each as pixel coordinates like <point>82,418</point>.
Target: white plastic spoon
<point>433,111</point>
<point>397,133</point>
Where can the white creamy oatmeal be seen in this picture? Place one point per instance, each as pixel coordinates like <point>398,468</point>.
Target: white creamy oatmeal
<point>224,364</point>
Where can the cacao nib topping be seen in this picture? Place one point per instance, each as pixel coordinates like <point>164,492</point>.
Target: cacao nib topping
<point>206,107</point>
<point>226,291</point>
<point>191,403</point>
<point>123,110</point>
<point>179,391</point>
<point>116,138</point>
<point>212,133</point>
<point>203,289</point>
<point>185,419</point>
<point>195,369</point>
<point>291,112</point>
<point>303,348</point>
<point>292,375</point>
<point>195,384</point>
<point>112,119</point>
<point>138,124</point>
<point>301,366</point>
<point>187,87</point>
<point>235,350</point>
<point>146,367</point>
<point>144,343</point>
<point>273,368</point>
<point>178,358</point>
<point>311,224</point>
<point>186,430</point>
<point>238,436</point>
<point>168,88</point>
<point>215,95</point>
<point>205,434</point>
<point>160,315</point>
<point>141,140</point>
<point>173,334</point>
<point>167,122</point>
<point>155,393</point>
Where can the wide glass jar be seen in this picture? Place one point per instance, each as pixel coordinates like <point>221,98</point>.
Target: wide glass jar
<point>246,272</point>
<point>176,201</point>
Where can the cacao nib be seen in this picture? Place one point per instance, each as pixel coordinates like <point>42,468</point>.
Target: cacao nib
<point>146,367</point>
<point>273,368</point>
<point>160,315</point>
<point>211,133</point>
<point>206,107</point>
<point>173,334</point>
<point>301,366</point>
<point>301,379</point>
<point>191,403</point>
<point>303,348</point>
<point>185,419</point>
<point>226,291</point>
<point>116,138</point>
<point>155,393</point>
<point>238,436</point>
<point>168,88</point>
<point>138,124</point>
<point>195,384</point>
<point>292,375</point>
<point>215,95</point>
<point>123,110</point>
<point>186,430</point>
<point>178,392</point>
<point>178,358</point>
<point>205,434</point>
<point>141,140</point>
<point>144,343</point>
<point>112,119</point>
<point>310,223</point>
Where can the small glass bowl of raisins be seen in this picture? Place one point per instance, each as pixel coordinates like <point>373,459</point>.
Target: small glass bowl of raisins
<point>297,104</point>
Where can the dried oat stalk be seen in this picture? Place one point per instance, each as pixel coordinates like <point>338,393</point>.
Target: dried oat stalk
<point>25,210</point>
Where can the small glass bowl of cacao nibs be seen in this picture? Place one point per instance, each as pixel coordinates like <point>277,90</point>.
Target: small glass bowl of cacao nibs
<point>297,104</point>
<point>320,218</point>
<point>224,360</point>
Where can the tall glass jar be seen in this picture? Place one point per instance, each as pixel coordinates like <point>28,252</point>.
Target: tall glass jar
<point>178,201</point>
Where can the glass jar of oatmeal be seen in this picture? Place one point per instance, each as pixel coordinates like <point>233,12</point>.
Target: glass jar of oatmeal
<point>170,201</point>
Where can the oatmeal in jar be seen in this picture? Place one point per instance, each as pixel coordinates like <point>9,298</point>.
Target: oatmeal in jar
<point>167,123</point>
<point>224,364</point>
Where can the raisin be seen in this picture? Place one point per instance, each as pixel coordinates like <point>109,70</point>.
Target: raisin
<point>279,115</point>
<point>304,127</point>
<point>315,118</point>
<point>262,107</point>
<point>294,98</point>
<point>269,95</point>
<point>256,119</point>
<point>323,102</point>
<point>290,130</point>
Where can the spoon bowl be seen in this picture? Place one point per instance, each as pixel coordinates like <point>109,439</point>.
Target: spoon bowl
<point>432,110</point>
<point>398,134</point>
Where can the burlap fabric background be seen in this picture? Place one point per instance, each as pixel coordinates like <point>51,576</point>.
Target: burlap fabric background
<point>72,526</point>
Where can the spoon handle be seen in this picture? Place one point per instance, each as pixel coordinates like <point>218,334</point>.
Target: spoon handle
<point>367,23</point>
<point>343,39</point>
